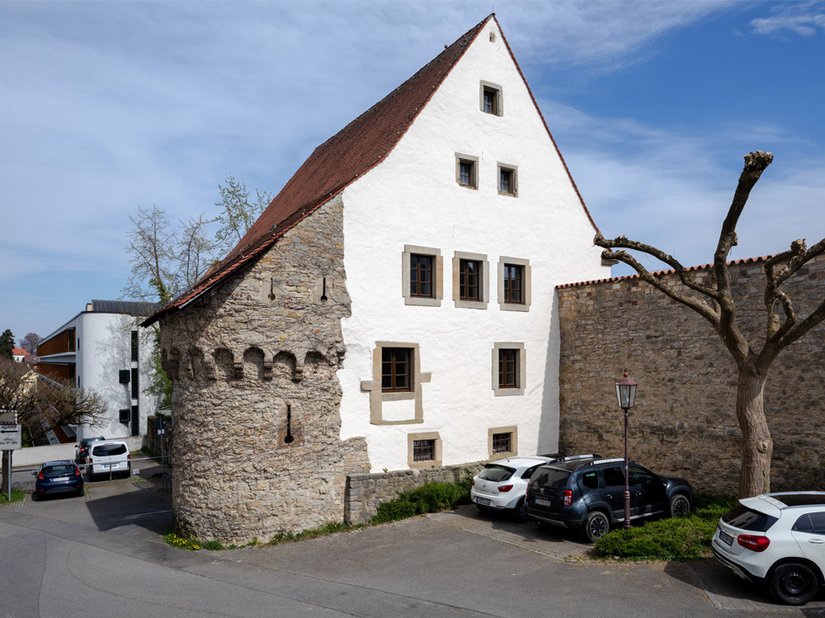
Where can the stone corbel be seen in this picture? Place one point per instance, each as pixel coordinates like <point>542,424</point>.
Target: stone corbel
<point>238,367</point>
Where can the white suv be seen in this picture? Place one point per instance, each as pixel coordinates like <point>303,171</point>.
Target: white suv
<point>777,539</point>
<point>109,457</point>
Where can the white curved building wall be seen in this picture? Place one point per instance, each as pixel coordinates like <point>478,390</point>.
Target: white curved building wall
<point>412,198</point>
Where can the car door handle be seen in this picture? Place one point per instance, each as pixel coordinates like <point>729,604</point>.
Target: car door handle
<point>816,541</point>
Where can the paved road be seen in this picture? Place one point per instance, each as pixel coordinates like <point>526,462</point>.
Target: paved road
<point>102,555</point>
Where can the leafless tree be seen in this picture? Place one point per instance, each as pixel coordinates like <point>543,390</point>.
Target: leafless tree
<point>42,403</point>
<point>237,213</point>
<point>30,343</point>
<point>713,300</point>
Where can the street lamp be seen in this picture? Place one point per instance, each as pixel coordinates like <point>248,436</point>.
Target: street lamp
<point>626,395</point>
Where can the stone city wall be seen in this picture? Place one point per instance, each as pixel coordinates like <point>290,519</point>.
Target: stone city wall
<point>366,491</point>
<point>684,421</point>
<point>257,448</point>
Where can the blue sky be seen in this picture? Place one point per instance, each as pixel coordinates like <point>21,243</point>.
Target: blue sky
<point>109,106</point>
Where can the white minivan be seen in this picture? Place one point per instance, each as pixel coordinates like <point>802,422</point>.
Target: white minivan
<point>108,458</point>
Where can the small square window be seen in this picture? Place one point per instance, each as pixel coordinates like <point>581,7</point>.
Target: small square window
<point>503,442</point>
<point>469,278</point>
<point>421,276</point>
<point>507,181</point>
<point>508,368</point>
<point>514,284</point>
<point>491,99</point>
<point>396,366</point>
<point>467,172</point>
<point>423,450</point>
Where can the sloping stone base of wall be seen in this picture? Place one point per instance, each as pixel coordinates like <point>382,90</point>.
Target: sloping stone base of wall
<point>366,491</point>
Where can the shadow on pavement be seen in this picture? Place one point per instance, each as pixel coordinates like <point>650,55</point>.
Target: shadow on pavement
<point>129,502</point>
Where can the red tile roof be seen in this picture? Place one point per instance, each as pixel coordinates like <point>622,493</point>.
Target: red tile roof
<point>359,147</point>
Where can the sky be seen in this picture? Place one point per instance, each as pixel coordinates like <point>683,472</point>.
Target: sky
<point>107,107</point>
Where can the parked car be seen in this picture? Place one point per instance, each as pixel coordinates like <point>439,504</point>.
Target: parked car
<point>82,449</point>
<point>110,457</point>
<point>500,484</point>
<point>57,477</point>
<point>588,495</point>
<point>777,540</point>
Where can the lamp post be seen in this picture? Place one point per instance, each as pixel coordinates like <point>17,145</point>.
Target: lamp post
<point>626,395</point>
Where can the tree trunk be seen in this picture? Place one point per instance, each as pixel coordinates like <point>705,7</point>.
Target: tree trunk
<point>757,445</point>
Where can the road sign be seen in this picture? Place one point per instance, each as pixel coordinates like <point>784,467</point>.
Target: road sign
<point>11,437</point>
<point>8,416</point>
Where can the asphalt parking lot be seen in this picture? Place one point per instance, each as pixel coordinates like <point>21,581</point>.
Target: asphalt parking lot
<point>103,553</point>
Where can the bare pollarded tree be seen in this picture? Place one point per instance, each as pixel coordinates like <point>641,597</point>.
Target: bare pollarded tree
<point>711,298</point>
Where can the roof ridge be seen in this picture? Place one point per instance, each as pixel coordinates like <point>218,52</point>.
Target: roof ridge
<point>337,162</point>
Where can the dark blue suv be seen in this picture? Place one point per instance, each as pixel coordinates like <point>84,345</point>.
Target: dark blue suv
<point>588,495</point>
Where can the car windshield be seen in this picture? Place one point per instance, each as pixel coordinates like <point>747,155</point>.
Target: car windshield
<point>747,519</point>
<point>104,450</point>
<point>496,473</point>
<point>58,470</point>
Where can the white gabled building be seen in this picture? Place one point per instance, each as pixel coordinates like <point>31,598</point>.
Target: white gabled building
<point>392,309</point>
<point>104,349</point>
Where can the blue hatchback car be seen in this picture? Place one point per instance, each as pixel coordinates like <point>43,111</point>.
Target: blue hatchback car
<point>58,477</point>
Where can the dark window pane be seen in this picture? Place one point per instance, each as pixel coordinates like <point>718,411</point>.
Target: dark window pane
<point>469,275</point>
<point>513,283</point>
<point>421,275</point>
<point>502,442</point>
<point>466,173</point>
<point>508,368</point>
<point>423,450</point>
<point>395,369</point>
<point>496,473</point>
<point>505,181</point>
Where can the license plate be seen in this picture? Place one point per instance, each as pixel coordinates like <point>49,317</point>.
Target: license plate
<point>544,502</point>
<point>725,538</point>
<point>483,501</point>
<point>60,479</point>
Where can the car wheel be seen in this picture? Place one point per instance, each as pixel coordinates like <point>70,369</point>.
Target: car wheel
<point>81,493</point>
<point>520,511</point>
<point>596,526</point>
<point>35,497</point>
<point>679,506</point>
<point>793,583</point>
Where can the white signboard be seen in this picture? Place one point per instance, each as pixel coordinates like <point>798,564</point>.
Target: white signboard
<point>11,437</point>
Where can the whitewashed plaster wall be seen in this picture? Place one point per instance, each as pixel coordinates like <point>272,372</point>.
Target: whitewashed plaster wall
<point>413,198</point>
<point>103,348</point>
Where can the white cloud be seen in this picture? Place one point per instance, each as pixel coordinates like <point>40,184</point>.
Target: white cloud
<point>801,18</point>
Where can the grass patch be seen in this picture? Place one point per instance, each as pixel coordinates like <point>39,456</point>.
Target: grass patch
<point>16,496</point>
<point>429,498</point>
<point>685,538</point>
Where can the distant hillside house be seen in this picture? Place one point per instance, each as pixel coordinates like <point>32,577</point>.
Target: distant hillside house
<point>19,355</point>
<point>104,348</point>
<point>392,309</point>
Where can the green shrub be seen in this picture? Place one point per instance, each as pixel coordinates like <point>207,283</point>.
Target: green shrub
<point>685,538</point>
<point>429,498</point>
<point>16,496</point>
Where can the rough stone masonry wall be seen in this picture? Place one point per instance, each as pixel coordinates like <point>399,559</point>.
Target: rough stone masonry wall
<point>366,491</point>
<point>257,447</point>
<point>684,421</point>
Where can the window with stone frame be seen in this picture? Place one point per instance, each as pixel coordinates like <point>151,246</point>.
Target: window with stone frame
<point>396,370</point>
<point>509,370</point>
<point>424,449</point>
<point>467,171</point>
<point>491,99</point>
<point>507,181</point>
<point>503,442</point>
<point>421,275</point>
